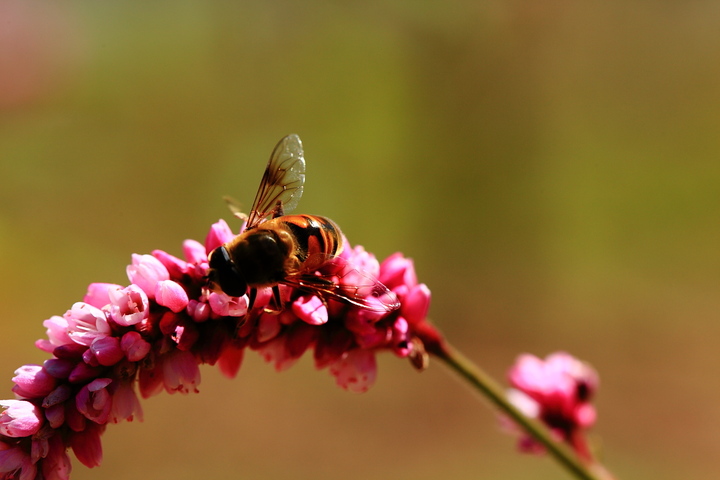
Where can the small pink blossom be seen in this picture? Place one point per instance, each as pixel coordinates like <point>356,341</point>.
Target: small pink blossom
<point>194,252</point>
<point>230,360</point>
<point>561,387</point>
<point>98,294</point>
<point>226,306</point>
<point>397,270</point>
<point>56,464</point>
<point>310,309</point>
<point>176,267</point>
<point>199,311</point>
<point>125,403</point>
<point>171,295</point>
<point>268,327</point>
<point>219,234</point>
<point>107,350</point>
<point>20,418</point>
<point>86,323</point>
<point>146,271</point>
<point>356,370</point>
<point>180,372</point>
<point>134,346</point>
<point>57,333</point>
<point>275,351</point>
<point>129,305</point>
<point>32,381</point>
<point>87,446</point>
<point>16,463</point>
<point>416,303</point>
<point>94,401</point>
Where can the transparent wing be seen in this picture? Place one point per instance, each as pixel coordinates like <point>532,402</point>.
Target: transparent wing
<point>282,183</point>
<point>348,285</point>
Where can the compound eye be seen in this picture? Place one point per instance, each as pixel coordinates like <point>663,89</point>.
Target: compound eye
<point>224,274</point>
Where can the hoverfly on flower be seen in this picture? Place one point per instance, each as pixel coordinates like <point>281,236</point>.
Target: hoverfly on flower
<point>300,251</point>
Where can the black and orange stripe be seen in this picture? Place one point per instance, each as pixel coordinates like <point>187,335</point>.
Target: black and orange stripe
<point>315,237</point>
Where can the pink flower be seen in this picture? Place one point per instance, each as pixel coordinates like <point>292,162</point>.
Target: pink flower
<point>557,391</point>
<point>20,418</point>
<point>171,295</point>
<point>94,401</point>
<point>199,311</point>
<point>86,323</point>
<point>146,271</point>
<point>310,309</point>
<point>195,252</point>
<point>56,464</point>
<point>275,351</point>
<point>219,234</point>
<point>226,306</point>
<point>86,444</point>
<point>32,381</point>
<point>356,370</point>
<point>125,403</point>
<point>98,294</point>
<point>176,268</point>
<point>180,372</point>
<point>128,306</point>
<point>134,346</point>
<point>396,271</point>
<point>16,463</point>
<point>107,350</point>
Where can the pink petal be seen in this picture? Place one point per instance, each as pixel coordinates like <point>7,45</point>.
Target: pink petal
<point>219,234</point>
<point>107,350</point>
<point>310,309</point>
<point>356,371</point>
<point>97,294</point>
<point>171,295</point>
<point>134,346</point>
<point>146,271</point>
<point>32,381</point>
<point>20,418</point>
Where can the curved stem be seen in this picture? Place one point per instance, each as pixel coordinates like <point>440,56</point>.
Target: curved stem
<point>491,390</point>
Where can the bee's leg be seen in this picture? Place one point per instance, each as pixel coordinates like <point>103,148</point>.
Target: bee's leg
<point>275,306</point>
<point>251,298</point>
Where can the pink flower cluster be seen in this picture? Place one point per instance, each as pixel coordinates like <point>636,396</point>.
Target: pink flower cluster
<point>558,392</point>
<point>153,334</point>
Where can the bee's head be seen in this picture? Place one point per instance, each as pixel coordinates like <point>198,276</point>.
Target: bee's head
<point>224,275</point>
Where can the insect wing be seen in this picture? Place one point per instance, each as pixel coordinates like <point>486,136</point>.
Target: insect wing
<point>347,285</point>
<point>282,183</point>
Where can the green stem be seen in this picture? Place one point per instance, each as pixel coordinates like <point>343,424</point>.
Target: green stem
<point>491,390</point>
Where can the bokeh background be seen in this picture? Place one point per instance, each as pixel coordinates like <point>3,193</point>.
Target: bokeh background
<point>552,167</point>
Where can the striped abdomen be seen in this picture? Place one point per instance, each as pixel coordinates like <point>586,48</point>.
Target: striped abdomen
<point>316,239</point>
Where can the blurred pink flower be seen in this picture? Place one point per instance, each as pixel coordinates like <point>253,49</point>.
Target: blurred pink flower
<point>557,391</point>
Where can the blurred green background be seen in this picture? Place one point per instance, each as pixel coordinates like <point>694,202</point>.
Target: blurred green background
<point>552,167</point>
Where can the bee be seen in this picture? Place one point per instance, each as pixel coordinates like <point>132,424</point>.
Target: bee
<point>300,251</point>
